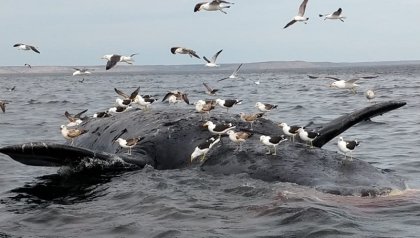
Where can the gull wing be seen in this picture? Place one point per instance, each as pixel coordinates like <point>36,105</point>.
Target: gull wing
<point>78,115</point>
<point>167,95</point>
<point>302,8</point>
<point>111,63</point>
<point>185,98</point>
<point>207,87</point>
<point>338,12</point>
<point>192,52</point>
<point>3,106</point>
<point>289,24</point>
<point>222,79</point>
<point>214,58</point>
<point>237,69</point>
<point>204,57</point>
<point>352,80</point>
<point>134,94</point>
<point>119,92</point>
<point>336,79</point>
<point>34,49</point>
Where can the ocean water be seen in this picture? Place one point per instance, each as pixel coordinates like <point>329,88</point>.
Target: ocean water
<point>64,202</point>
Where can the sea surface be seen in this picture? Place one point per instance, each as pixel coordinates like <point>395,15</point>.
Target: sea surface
<point>65,202</point>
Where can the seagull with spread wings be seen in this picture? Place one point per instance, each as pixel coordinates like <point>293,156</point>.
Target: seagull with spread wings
<point>212,62</point>
<point>299,16</point>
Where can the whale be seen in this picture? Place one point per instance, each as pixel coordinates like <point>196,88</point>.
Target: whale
<point>171,135</point>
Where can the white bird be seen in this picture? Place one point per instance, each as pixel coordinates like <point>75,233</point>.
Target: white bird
<point>227,103</point>
<point>334,16</point>
<point>238,138</point>
<point>234,75</point>
<point>21,46</point>
<point>81,72</point>
<point>176,97</point>
<point>215,5</point>
<point>347,146</point>
<point>202,106</point>
<point>289,130</point>
<point>307,136</point>
<point>272,141</point>
<point>184,51</point>
<point>71,134</point>
<point>299,16</point>
<point>144,101</point>
<point>370,94</point>
<point>129,143</point>
<point>218,129</point>
<point>344,84</point>
<point>203,148</point>
<point>265,107</point>
<point>119,109</point>
<point>212,62</point>
<point>114,59</point>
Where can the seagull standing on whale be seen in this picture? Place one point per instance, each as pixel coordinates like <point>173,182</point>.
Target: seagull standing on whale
<point>299,16</point>
<point>129,143</point>
<point>113,59</point>
<point>184,51</point>
<point>347,146</point>
<point>215,5</point>
<point>21,46</point>
<point>212,62</point>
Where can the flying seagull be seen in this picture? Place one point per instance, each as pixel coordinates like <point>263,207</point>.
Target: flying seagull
<point>210,91</point>
<point>234,75</point>
<point>212,62</point>
<point>176,96</point>
<point>216,5</point>
<point>28,65</point>
<point>184,51</point>
<point>299,16</point>
<point>114,59</point>
<point>344,84</point>
<point>81,71</point>
<point>3,105</point>
<point>333,16</point>
<point>21,46</point>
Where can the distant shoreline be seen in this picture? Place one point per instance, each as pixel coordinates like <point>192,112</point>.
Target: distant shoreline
<point>257,66</point>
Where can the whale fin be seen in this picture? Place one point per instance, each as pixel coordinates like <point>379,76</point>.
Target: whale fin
<point>342,123</point>
<point>51,155</point>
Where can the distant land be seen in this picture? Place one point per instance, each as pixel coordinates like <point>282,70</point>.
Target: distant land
<point>258,66</point>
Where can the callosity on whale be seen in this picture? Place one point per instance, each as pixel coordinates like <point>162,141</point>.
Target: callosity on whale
<point>171,136</point>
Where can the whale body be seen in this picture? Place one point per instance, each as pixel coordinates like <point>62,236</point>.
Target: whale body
<point>171,136</point>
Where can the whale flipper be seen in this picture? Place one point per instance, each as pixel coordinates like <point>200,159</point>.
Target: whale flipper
<point>51,155</point>
<point>340,124</point>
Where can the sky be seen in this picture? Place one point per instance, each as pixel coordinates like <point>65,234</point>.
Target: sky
<point>80,32</point>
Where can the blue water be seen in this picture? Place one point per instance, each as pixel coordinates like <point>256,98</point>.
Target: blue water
<point>37,201</point>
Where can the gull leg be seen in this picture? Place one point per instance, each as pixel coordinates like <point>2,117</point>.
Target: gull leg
<point>275,150</point>
<point>222,11</point>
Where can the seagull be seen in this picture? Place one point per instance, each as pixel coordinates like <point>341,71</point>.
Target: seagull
<point>81,71</point>
<point>118,109</point>
<point>212,62</point>
<point>218,129</point>
<point>289,130</point>
<point>21,46</point>
<point>215,5</point>
<point>144,101</point>
<point>114,59</point>
<point>251,118</point>
<point>210,91</point>
<point>307,136</point>
<point>11,89</point>
<point>234,75</point>
<point>203,148</point>
<point>370,94</point>
<point>265,107</point>
<point>129,143</point>
<point>3,105</point>
<point>202,106</point>
<point>71,134</point>
<point>333,16</point>
<point>184,51</point>
<point>300,16</point>
<point>272,141</point>
<point>74,120</point>
<point>28,65</point>
<point>176,96</point>
<point>347,146</point>
<point>343,84</point>
<point>131,97</point>
<point>101,115</point>
<point>238,138</point>
<point>228,103</point>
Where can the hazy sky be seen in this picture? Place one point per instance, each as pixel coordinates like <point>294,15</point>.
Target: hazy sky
<point>79,32</point>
